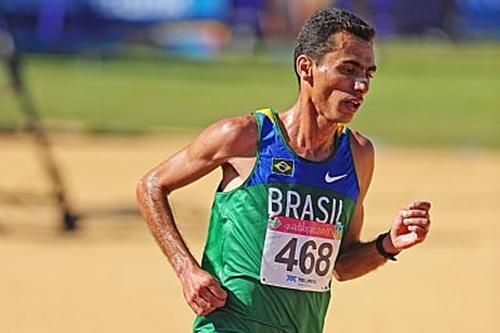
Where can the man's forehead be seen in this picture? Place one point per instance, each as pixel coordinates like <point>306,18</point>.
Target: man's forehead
<point>347,47</point>
<point>344,38</point>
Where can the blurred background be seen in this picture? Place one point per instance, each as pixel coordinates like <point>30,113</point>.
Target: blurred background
<point>93,93</point>
<point>437,60</point>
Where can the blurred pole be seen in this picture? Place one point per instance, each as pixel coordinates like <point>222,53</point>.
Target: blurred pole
<point>12,59</point>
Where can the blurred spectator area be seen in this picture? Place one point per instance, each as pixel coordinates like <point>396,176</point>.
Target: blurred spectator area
<point>203,28</point>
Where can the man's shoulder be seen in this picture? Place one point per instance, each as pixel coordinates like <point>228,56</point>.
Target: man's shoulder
<point>236,129</point>
<point>364,158</point>
<point>236,136</point>
<point>361,145</point>
<point>235,126</point>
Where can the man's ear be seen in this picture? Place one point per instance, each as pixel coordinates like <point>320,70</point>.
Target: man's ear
<point>304,67</point>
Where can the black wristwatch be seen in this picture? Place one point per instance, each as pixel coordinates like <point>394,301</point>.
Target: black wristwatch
<point>381,250</point>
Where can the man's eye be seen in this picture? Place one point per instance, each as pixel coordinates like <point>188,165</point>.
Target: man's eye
<point>348,71</point>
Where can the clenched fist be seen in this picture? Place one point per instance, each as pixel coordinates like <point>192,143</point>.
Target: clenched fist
<point>202,291</point>
<point>410,227</point>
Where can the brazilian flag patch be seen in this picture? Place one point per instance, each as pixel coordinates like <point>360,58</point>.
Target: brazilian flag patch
<point>282,166</point>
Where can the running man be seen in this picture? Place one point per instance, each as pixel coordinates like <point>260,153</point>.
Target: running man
<point>288,212</point>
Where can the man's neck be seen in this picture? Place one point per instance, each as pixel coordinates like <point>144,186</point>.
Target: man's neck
<point>308,133</point>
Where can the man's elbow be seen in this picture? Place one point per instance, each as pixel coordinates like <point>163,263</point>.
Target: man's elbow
<point>345,266</point>
<point>146,186</point>
<point>150,186</point>
<point>340,275</point>
<point>140,189</point>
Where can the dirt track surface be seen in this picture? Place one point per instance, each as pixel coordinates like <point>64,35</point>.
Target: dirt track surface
<point>111,277</point>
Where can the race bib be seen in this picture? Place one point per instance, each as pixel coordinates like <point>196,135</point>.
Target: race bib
<point>300,254</point>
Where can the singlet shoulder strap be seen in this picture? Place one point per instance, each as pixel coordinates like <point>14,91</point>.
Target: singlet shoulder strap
<point>342,144</point>
<point>342,135</point>
<point>267,112</point>
<point>266,121</point>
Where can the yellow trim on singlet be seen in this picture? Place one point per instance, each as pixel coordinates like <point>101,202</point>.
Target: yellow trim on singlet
<point>268,113</point>
<point>341,129</point>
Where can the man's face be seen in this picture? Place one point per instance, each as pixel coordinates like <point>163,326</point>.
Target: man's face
<point>342,78</point>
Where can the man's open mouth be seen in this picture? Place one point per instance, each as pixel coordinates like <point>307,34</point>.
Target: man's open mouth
<point>353,104</point>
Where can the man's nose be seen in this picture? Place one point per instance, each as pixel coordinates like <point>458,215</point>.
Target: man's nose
<point>361,85</point>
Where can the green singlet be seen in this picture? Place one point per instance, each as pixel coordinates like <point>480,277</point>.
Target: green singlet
<point>272,242</point>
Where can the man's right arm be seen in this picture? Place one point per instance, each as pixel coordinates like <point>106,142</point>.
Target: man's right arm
<point>215,146</point>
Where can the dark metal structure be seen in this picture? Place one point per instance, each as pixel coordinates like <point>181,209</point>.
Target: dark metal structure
<point>13,63</point>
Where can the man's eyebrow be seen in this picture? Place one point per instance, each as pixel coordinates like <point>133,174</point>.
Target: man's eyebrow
<point>358,64</point>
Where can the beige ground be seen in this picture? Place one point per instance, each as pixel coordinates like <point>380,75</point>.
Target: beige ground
<point>112,278</point>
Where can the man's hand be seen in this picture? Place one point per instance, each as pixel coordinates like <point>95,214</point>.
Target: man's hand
<point>202,291</point>
<point>410,227</point>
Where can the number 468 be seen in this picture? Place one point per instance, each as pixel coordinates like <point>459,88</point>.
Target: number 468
<point>307,261</point>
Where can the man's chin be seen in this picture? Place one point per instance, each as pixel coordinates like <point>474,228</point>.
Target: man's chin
<point>341,117</point>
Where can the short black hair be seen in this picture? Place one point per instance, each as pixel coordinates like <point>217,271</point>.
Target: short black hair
<point>314,38</point>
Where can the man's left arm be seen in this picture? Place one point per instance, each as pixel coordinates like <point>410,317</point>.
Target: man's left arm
<point>409,227</point>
